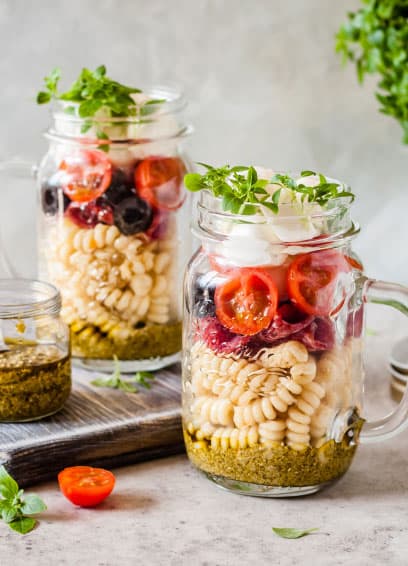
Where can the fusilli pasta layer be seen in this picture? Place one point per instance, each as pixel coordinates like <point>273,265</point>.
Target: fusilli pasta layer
<point>286,396</point>
<point>111,281</point>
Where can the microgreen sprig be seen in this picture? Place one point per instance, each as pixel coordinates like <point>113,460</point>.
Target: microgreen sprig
<point>92,91</point>
<point>242,191</point>
<point>15,507</point>
<point>115,381</point>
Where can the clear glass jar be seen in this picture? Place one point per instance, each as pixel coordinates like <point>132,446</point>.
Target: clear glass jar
<point>35,367</point>
<point>272,362</point>
<point>114,230</point>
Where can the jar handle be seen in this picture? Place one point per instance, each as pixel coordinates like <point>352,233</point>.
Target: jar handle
<point>395,296</point>
<point>18,168</point>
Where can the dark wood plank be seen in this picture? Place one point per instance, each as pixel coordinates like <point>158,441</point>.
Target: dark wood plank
<point>97,426</point>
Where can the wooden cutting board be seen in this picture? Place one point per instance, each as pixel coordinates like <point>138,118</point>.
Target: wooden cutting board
<point>98,426</point>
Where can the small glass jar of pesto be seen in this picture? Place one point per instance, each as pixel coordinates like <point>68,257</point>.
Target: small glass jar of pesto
<point>35,367</point>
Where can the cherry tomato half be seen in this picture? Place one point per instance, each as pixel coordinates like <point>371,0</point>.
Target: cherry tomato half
<point>247,301</point>
<point>312,280</point>
<point>279,273</point>
<point>86,175</point>
<point>159,181</point>
<point>86,486</point>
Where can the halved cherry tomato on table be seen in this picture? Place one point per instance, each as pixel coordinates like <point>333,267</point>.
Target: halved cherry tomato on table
<point>86,486</point>
<point>247,301</point>
<point>312,280</point>
<point>159,181</point>
<point>86,175</point>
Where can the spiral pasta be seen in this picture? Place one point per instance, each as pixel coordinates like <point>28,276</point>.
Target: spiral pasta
<point>124,279</point>
<point>239,400</point>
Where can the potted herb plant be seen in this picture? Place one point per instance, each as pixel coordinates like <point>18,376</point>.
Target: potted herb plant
<point>375,38</point>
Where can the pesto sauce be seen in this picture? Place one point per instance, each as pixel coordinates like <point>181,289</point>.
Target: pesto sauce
<point>35,381</point>
<point>279,466</point>
<point>150,341</point>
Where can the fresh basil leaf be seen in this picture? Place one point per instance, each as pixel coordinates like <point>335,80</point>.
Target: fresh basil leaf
<point>127,387</point>
<point>271,206</point>
<point>32,504</point>
<point>71,110</point>
<point>142,378</point>
<point>237,168</point>
<point>292,533</point>
<point>43,97</point>
<point>100,71</point>
<point>193,182</point>
<point>86,126</point>
<point>276,196</point>
<point>89,108</point>
<point>8,486</point>
<point>52,80</point>
<point>9,512</point>
<point>23,525</point>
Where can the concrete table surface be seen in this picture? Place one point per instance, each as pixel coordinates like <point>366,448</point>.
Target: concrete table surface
<point>166,513</point>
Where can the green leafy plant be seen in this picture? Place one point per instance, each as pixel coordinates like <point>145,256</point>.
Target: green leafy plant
<point>375,38</point>
<point>92,91</point>
<point>292,533</point>
<point>115,381</point>
<point>242,191</point>
<point>16,508</point>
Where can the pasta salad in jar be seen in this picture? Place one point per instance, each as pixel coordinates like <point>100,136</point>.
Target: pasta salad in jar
<point>113,219</point>
<point>272,341</point>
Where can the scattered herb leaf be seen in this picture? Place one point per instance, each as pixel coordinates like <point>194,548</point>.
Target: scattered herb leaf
<point>143,377</point>
<point>115,380</point>
<point>375,38</point>
<point>14,505</point>
<point>292,533</point>
<point>241,190</point>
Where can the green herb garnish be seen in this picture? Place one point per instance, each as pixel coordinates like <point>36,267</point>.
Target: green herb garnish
<point>242,190</point>
<point>375,38</point>
<point>115,380</point>
<point>15,506</point>
<point>92,91</point>
<point>143,378</point>
<point>292,533</point>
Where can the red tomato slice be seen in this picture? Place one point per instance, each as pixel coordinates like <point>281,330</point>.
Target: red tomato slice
<point>159,181</point>
<point>86,175</point>
<point>312,281</point>
<point>279,273</point>
<point>86,486</point>
<point>246,303</point>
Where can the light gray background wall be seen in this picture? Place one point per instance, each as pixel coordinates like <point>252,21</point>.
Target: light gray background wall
<point>264,85</point>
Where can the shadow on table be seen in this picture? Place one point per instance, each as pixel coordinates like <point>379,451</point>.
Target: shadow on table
<point>126,500</point>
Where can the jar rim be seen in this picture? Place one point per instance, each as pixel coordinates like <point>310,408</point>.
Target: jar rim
<point>213,222</point>
<point>28,298</point>
<point>162,101</point>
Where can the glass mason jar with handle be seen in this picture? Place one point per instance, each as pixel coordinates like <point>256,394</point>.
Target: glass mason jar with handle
<point>273,337</point>
<point>113,228</point>
<point>113,221</point>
